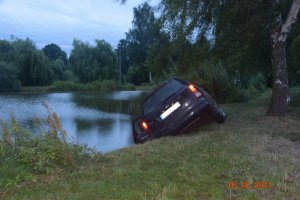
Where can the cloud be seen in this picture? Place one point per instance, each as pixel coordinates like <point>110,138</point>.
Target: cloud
<point>59,21</point>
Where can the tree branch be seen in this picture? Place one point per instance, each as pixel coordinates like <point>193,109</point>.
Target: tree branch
<point>292,16</point>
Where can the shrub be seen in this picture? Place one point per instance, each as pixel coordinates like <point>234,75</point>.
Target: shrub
<point>238,95</point>
<point>95,85</point>
<point>108,85</point>
<point>74,86</point>
<point>212,76</point>
<point>66,86</point>
<point>127,86</point>
<point>258,81</point>
<point>137,74</point>
<point>26,155</point>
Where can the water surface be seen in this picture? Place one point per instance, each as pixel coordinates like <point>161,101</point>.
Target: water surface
<point>97,119</point>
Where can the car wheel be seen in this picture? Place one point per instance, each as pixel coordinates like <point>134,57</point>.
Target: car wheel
<point>218,113</point>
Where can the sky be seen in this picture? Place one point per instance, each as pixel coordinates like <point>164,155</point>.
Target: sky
<point>60,21</point>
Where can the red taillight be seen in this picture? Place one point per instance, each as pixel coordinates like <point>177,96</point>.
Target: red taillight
<point>144,125</point>
<point>194,90</point>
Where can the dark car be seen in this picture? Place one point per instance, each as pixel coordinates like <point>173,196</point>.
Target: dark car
<point>174,107</point>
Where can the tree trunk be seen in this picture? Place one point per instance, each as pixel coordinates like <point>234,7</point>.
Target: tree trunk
<point>280,97</point>
<point>150,76</point>
<point>279,101</point>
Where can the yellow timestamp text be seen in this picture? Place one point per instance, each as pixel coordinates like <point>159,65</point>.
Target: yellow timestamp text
<point>248,185</point>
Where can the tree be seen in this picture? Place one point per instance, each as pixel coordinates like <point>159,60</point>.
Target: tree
<point>8,78</point>
<point>123,57</point>
<point>237,28</point>
<point>141,36</point>
<point>54,52</point>
<point>6,51</point>
<point>58,67</point>
<point>32,65</point>
<point>280,98</point>
<point>158,57</point>
<point>90,63</point>
<point>293,52</point>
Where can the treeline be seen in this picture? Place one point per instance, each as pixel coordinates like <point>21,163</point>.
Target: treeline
<point>22,64</point>
<point>224,46</point>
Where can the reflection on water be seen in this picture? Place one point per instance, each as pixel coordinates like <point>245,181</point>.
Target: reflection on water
<point>100,120</point>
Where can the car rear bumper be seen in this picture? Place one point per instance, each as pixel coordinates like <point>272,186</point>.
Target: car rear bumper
<point>189,120</point>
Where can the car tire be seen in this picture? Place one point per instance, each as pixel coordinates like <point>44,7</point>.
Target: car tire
<point>218,113</point>
<point>216,110</point>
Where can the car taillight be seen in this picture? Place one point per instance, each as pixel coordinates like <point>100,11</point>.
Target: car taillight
<point>194,90</point>
<point>144,125</point>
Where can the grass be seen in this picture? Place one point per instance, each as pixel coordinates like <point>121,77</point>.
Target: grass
<point>28,89</point>
<point>248,147</point>
<point>105,85</point>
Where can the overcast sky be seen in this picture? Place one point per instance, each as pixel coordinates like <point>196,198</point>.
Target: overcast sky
<point>60,21</point>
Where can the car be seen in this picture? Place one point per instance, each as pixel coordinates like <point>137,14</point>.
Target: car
<point>174,107</point>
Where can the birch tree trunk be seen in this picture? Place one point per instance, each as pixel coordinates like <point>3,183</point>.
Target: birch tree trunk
<point>280,98</point>
<point>150,75</point>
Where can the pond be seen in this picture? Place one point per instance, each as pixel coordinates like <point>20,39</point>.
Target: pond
<point>97,119</point>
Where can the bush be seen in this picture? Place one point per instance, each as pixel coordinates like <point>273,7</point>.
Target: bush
<point>25,156</point>
<point>108,85</point>
<point>137,74</point>
<point>238,95</point>
<point>258,81</point>
<point>212,76</point>
<point>104,85</point>
<point>95,85</point>
<point>66,86</point>
<point>127,86</point>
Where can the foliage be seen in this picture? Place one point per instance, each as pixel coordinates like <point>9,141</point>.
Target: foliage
<point>232,30</point>
<point>33,68</point>
<point>108,85</point>
<point>90,63</point>
<point>134,49</point>
<point>54,52</point>
<point>8,78</point>
<point>6,51</point>
<point>159,55</point>
<point>92,86</point>
<point>212,76</point>
<point>58,68</point>
<point>68,75</point>
<point>66,86</point>
<point>136,75</point>
<point>127,86</point>
<point>293,52</point>
<point>24,155</point>
<point>258,81</point>
<point>123,57</point>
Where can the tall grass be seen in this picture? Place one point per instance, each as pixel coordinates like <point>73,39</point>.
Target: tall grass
<point>25,156</point>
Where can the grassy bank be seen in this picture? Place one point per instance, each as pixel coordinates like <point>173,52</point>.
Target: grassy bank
<point>106,85</point>
<point>249,147</point>
<point>62,86</point>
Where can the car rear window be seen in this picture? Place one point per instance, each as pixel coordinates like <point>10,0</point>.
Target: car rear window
<point>163,93</point>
